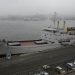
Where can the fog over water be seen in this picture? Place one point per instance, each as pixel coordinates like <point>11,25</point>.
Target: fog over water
<point>15,30</point>
<point>25,30</point>
<point>19,30</point>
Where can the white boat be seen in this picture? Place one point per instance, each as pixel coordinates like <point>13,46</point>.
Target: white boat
<point>58,35</point>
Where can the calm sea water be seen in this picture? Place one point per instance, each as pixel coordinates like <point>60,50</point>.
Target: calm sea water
<point>24,30</point>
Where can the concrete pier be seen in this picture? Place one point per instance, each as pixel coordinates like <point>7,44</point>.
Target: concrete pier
<point>22,65</point>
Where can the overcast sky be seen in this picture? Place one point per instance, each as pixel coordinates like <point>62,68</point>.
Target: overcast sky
<point>29,7</point>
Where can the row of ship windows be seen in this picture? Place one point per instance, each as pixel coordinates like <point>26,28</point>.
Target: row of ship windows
<point>59,34</point>
<point>51,34</point>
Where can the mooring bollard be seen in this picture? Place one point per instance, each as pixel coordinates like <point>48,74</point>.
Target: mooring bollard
<point>8,56</point>
<point>8,53</point>
<point>6,48</point>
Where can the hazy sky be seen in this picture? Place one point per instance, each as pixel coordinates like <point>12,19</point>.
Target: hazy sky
<point>26,7</point>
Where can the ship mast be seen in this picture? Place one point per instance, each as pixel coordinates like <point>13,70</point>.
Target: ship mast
<point>54,18</point>
<point>64,24</point>
<point>57,24</point>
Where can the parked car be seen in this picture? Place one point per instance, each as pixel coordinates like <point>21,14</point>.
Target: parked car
<point>72,42</point>
<point>42,73</point>
<point>46,67</point>
<point>71,66</point>
<point>37,74</point>
<point>65,43</point>
<point>60,70</point>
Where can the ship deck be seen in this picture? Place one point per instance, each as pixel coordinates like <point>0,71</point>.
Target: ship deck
<point>27,43</point>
